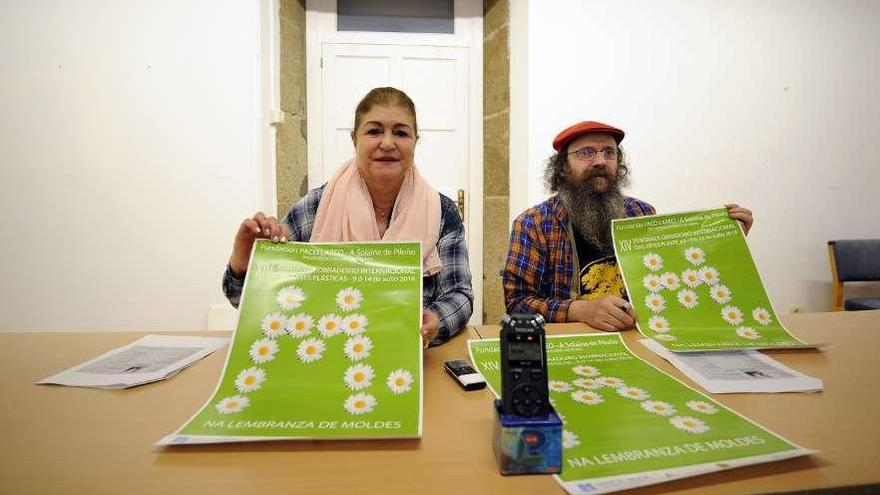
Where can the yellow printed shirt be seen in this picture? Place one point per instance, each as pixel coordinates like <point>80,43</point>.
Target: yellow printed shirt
<point>601,278</point>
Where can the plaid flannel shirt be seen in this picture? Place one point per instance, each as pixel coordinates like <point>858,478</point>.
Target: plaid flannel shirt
<point>539,276</point>
<point>447,293</point>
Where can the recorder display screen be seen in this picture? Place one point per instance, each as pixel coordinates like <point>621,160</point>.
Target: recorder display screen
<point>524,351</point>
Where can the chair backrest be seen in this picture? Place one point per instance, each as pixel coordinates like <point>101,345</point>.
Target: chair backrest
<point>852,260</point>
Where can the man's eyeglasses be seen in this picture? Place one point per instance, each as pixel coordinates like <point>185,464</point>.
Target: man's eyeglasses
<point>591,153</point>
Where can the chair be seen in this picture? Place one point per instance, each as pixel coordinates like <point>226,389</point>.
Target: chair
<point>855,260</point>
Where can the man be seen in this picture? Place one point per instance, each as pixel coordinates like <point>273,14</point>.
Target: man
<point>561,260</point>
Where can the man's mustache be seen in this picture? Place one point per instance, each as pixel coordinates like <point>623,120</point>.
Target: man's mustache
<point>598,173</point>
<point>587,179</point>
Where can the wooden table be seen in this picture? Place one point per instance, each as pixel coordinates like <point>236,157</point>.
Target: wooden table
<point>77,440</point>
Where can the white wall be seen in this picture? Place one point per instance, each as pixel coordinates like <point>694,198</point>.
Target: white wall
<point>772,104</point>
<point>130,138</point>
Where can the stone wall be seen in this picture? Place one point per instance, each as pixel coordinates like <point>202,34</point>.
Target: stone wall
<point>496,160</point>
<point>291,153</point>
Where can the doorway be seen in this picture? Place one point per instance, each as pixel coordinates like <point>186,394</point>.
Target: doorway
<point>440,71</point>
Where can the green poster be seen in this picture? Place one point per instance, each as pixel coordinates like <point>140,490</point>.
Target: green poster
<point>628,424</point>
<point>692,281</point>
<point>327,347</point>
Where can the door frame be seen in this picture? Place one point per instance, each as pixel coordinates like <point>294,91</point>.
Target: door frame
<point>468,27</point>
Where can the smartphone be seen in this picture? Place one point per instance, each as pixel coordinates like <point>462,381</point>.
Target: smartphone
<point>464,374</point>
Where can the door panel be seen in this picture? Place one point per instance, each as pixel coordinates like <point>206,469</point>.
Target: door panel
<point>433,84</point>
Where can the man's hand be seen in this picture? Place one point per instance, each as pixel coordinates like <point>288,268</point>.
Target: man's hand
<point>430,327</point>
<point>744,216</point>
<point>608,313</point>
<point>258,227</point>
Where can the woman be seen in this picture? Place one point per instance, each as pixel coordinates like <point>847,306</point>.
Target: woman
<point>378,195</point>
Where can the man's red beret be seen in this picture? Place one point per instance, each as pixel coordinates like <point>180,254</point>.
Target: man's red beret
<point>582,128</point>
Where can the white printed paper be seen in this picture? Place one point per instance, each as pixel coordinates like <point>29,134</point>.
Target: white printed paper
<point>149,359</point>
<point>725,372</point>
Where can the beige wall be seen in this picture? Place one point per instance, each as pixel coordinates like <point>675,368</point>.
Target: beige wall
<point>292,163</point>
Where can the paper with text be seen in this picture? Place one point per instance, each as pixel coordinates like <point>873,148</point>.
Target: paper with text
<point>327,347</point>
<point>627,424</point>
<point>726,372</point>
<point>146,360</point>
<point>691,279</point>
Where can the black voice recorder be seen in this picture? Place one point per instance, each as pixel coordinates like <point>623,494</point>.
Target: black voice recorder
<point>524,366</point>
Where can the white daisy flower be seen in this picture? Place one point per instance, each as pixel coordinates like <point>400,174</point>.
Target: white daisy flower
<point>273,325</point>
<point>250,379</point>
<point>653,261</point>
<point>658,324</point>
<point>664,336</point>
<point>702,406</point>
<point>300,325</point>
<point>399,381</point>
<point>609,381</point>
<point>590,383</point>
<point>658,407</point>
<point>349,299</point>
<point>720,293</point>
<point>329,325</point>
<point>670,280</point>
<point>708,275</point>
<point>652,282</point>
<point>732,315</point>
<point>691,278</point>
<point>354,324</point>
<point>358,347</point>
<point>569,439</point>
<point>290,297</point>
<point>589,397</point>
<point>359,376</point>
<point>694,255</point>
<point>233,404</point>
<point>583,370</point>
<point>688,298</point>
<point>558,386</point>
<point>748,333</point>
<point>762,316</point>
<point>634,393</point>
<point>310,350</point>
<point>655,302</point>
<point>689,424</point>
<point>360,403</point>
<point>263,350</point>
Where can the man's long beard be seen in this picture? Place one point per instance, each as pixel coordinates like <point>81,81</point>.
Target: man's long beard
<point>590,211</point>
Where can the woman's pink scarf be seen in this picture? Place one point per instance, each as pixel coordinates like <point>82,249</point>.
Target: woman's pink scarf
<point>346,213</point>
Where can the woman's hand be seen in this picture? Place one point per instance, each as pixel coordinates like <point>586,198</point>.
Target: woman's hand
<point>608,313</point>
<point>430,327</point>
<point>258,227</point>
<point>741,214</point>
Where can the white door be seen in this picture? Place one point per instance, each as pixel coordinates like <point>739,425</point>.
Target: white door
<point>436,78</point>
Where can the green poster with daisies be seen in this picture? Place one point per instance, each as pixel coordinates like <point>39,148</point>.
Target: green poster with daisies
<point>628,424</point>
<point>693,283</point>
<point>327,347</point>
